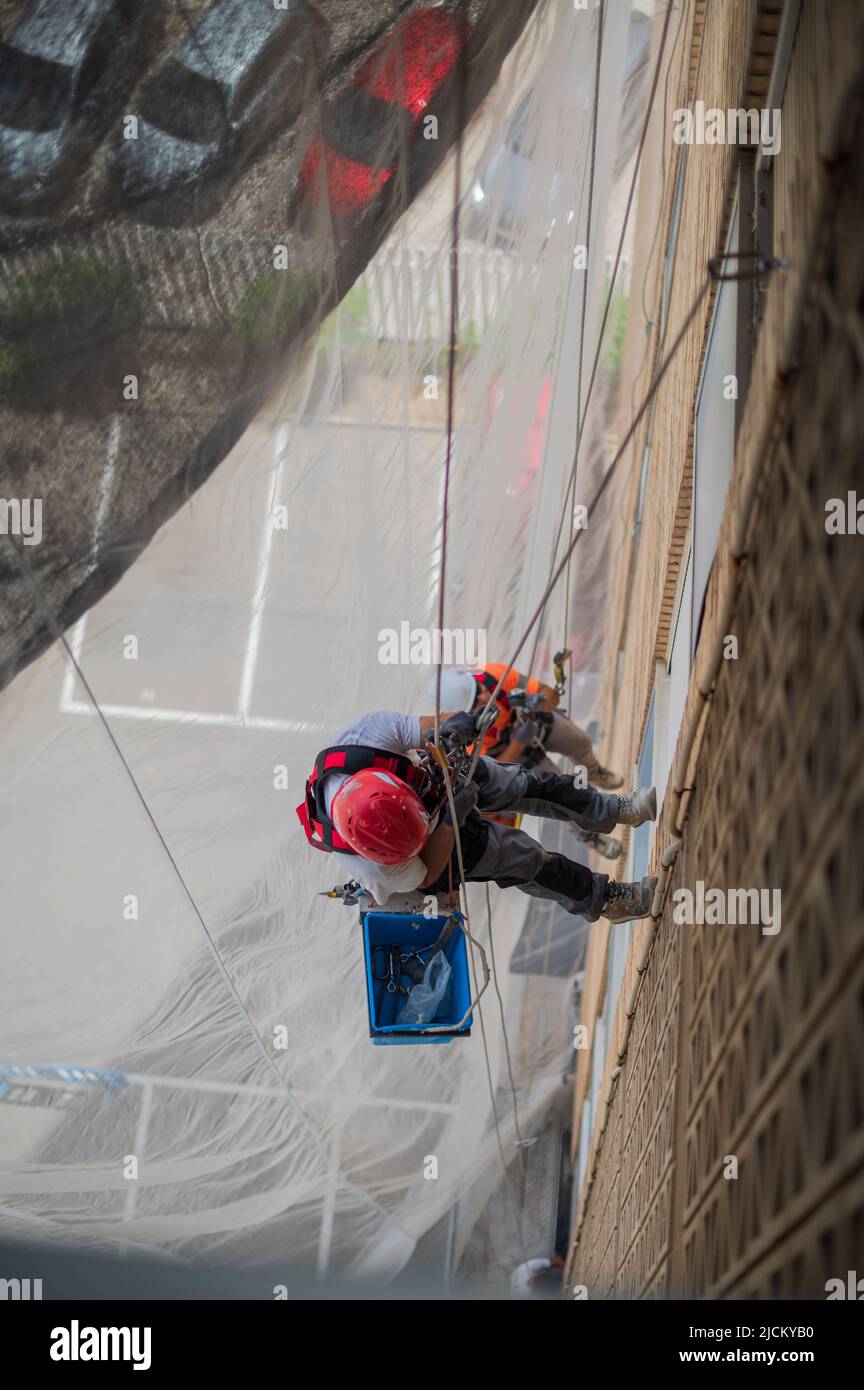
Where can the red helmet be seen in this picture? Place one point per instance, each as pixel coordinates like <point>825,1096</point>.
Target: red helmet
<point>380,816</point>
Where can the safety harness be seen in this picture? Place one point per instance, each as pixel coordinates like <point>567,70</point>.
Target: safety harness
<point>488,682</point>
<point>348,759</point>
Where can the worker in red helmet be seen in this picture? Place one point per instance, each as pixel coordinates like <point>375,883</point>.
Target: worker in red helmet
<point>381,816</point>
<point>371,804</point>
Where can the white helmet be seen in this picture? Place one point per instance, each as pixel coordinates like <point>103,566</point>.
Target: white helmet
<point>459,690</point>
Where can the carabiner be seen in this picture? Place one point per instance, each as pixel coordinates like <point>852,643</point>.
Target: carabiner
<point>387,972</point>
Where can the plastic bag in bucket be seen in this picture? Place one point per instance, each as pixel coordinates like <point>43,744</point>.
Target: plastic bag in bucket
<point>425,998</point>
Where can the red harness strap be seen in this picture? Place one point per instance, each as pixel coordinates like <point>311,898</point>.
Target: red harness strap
<point>350,758</point>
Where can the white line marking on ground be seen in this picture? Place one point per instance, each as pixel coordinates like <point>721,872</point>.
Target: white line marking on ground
<point>105,485</point>
<point>68,689</point>
<point>252,645</point>
<point>184,716</point>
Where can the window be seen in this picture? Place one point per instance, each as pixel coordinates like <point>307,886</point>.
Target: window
<point>584,1141</point>
<point>714,435</point>
<point>619,670</point>
<point>679,654</point>
<point>598,1054</point>
<point>671,682</point>
<point>640,841</point>
<point>619,942</point>
<point>643,480</point>
<point>755,237</point>
<point>672,244</point>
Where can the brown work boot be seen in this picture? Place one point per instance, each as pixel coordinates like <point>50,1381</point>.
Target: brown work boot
<point>606,779</point>
<point>605,845</point>
<point>624,901</point>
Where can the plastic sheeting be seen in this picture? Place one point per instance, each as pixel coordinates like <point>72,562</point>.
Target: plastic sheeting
<point>162,927</point>
<point>186,190</point>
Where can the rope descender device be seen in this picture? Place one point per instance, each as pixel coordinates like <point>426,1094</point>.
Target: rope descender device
<point>558,663</point>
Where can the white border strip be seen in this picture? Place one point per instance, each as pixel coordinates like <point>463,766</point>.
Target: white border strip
<point>186,716</point>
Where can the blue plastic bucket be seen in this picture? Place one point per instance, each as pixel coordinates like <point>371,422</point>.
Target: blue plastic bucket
<point>413,933</point>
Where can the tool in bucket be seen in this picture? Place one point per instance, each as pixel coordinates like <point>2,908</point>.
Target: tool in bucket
<point>396,961</point>
<point>445,761</point>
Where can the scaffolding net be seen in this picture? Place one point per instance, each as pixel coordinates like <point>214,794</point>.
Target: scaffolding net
<point>224,352</point>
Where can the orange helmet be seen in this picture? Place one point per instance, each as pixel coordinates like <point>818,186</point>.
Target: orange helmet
<point>380,816</point>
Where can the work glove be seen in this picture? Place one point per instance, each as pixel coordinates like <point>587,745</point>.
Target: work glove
<point>526,732</point>
<point>536,701</point>
<point>459,728</point>
<point>464,799</point>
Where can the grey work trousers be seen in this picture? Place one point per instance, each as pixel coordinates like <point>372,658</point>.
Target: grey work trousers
<point>510,858</point>
<point>505,787</point>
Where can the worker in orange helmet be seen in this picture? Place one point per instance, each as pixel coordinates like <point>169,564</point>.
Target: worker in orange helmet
<point>529,726</point>
<point>371,803</point>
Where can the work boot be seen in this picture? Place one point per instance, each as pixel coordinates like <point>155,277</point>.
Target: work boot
<point>624,901</point>
<point>606,780</point>
<point>605,845</point>
<point>638,807</point>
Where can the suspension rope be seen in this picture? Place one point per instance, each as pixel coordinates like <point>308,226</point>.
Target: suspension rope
<point>661,328</point>
<point>451,393</point>
<point>674,49</point>
<point>558,337</point>
<point>258,1041</point>
<point>607,476</point>
<point>520,1140</point>
<point>581,420</point>
<point>570,498</point>
<point>461,113</point>
<point>463,896</point>
<point>556,574</point>
<point>554,577</point>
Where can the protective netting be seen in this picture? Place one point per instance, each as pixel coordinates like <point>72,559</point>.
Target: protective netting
<point>162,924</point>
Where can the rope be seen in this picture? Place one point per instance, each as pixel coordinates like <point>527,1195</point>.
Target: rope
<point>571,484</point>
<point>453,342</point>
<point>637,375</point>
<point>523,1143</point>
<point>461,108</point>
<point>282,1084</point>
<point>558,339</point>
<point>555,576</point>
<point>463,895</point>
<point>649,324</point>
<point>570,498</point>
<point>634,425</point>
<point>552,583</point>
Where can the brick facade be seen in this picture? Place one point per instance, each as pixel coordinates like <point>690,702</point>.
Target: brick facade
<point>741,1043</point>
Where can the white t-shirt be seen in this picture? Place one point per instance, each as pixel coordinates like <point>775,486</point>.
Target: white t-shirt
<point>392,733</point>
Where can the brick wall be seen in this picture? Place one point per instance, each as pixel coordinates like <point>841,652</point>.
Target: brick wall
<point>738,1040</point>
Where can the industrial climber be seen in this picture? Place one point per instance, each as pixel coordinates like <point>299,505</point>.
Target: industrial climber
<point>373,803</point>
<point>529,726</point>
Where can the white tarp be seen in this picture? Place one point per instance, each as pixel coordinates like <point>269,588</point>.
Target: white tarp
<point>262,1119</point>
